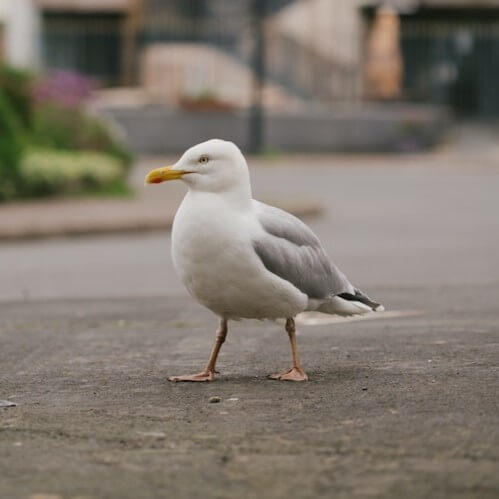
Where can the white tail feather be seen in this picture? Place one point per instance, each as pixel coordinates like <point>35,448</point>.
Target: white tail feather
<point>338,306</point>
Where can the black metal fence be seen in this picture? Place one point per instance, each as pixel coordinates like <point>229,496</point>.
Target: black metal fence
<point>455,64</point>
<point>89,43</point>
<point>92,43</point>
<point>450,57</point>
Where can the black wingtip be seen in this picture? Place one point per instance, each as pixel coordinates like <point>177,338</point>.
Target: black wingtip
<point>362,298</point>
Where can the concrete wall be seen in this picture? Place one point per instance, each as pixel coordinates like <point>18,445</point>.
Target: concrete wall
<point>155,130</point>
<point>332,28</point>
<point>86,5</point>
<point>22,33</point>
<point>172,71</point>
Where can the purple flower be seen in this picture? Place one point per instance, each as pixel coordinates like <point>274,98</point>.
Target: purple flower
<point>63,87</point>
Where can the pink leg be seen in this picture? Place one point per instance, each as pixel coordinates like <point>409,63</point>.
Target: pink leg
<point>208,373</point>
<point>296,373</point>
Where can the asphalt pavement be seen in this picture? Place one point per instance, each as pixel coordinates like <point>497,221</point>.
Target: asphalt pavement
<point>404,405</point>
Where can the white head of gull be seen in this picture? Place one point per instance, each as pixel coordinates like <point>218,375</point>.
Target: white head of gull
<point>244,259</point>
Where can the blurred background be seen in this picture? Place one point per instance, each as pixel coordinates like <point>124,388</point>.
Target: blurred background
<point>356,74</point>
<point>93,93</point>
<point>376,122</point>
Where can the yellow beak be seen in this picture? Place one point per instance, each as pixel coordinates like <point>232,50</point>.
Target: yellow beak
<point>163,174</point>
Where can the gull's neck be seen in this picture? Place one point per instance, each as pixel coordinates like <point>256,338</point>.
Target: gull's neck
<point>234,192</point>
<point>237,197</point>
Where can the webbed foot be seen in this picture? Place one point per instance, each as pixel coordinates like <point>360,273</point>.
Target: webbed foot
<point>294,374</point>
<point>202,376</point>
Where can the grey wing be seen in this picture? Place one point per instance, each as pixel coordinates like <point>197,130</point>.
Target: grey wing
<point>289,249</point>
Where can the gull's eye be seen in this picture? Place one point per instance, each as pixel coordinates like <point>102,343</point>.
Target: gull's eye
<point>203,159</point>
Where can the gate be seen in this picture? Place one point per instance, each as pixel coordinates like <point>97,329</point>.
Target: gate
<point>453,63</point>
<point>85,42</point>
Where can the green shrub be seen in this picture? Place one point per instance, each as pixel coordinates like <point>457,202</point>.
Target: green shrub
<point>72,129</point>
<point>16,86</point>
<point>49,172</point>
<point>69,150</point>
<point>11,148</point>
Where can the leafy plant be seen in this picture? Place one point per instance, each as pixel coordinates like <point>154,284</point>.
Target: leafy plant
<point>63,88</point>
<point>48,172</point>
<point>72,129</point>
<point>11,148</point>
<point>206,100</point>
<point>48,143</point>
<point>16,85</point>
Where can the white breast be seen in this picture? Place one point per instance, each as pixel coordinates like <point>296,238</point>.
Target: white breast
<point>213,254</point>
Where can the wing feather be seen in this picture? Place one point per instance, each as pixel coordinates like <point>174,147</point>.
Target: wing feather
<point>289,249</point>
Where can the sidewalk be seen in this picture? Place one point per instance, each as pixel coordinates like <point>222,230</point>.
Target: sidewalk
<point>152,208</point>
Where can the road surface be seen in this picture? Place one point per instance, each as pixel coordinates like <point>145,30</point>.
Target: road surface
<point>405,405</point>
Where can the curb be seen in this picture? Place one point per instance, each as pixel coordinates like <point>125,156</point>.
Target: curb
<point>72,218</point>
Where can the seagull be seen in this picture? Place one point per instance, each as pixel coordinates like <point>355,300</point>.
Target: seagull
<point>243,259</point>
